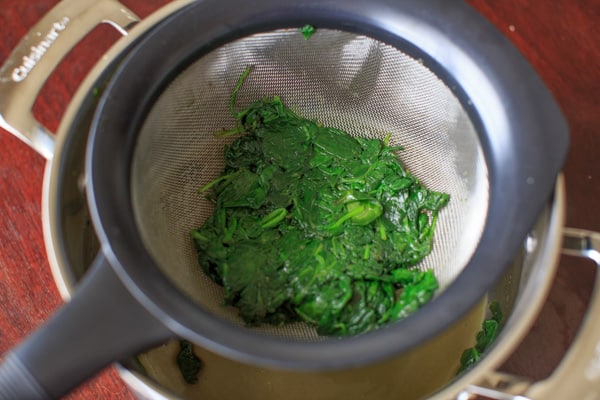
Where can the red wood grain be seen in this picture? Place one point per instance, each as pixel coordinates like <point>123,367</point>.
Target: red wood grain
<point>559,38</point>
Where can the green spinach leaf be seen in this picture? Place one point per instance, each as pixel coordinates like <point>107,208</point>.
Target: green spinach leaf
<point>316,225</point>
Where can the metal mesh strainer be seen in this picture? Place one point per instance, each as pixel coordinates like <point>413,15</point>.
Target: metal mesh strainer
<point>340,79</point>
<point>497,151</point>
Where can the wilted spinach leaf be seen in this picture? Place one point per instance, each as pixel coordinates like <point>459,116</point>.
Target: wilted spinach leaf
<point>313,224</point>
<point>307,31</point>
<point>189,364</point>
<point>484,339</point>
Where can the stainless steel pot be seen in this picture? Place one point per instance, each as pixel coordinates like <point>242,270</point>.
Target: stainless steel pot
<point>65,220</point>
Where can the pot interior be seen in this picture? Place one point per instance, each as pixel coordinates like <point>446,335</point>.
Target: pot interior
<point>187,155</point>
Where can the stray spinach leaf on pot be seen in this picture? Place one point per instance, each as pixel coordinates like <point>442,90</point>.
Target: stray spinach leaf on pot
<point>189,364</point>
<point>312,224</point>
<point>484,339</point>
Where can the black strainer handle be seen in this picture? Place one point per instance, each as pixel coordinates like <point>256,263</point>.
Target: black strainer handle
<point>102,323</point>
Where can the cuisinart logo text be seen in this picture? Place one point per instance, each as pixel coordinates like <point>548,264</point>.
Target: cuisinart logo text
<point>30,61</point>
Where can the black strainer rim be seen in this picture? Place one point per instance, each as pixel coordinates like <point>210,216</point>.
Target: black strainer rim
<point>522,131</point>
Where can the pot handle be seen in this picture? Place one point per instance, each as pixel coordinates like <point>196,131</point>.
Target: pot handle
<point>30,64</point>
<point>578,375</point>
<point>102,323</point>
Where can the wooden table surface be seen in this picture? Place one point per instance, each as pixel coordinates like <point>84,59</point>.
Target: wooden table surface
<point>560,38</point>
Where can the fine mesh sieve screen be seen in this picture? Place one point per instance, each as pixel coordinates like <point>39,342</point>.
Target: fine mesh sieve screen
<point>340,79</point>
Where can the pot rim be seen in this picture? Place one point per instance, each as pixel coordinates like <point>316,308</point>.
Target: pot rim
<point>546,264</point>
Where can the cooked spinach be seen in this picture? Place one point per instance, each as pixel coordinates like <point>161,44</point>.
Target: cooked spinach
<point>189,364</point>
<point>484,339</point>
<point>307,31</point>
<point>315,225</point>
